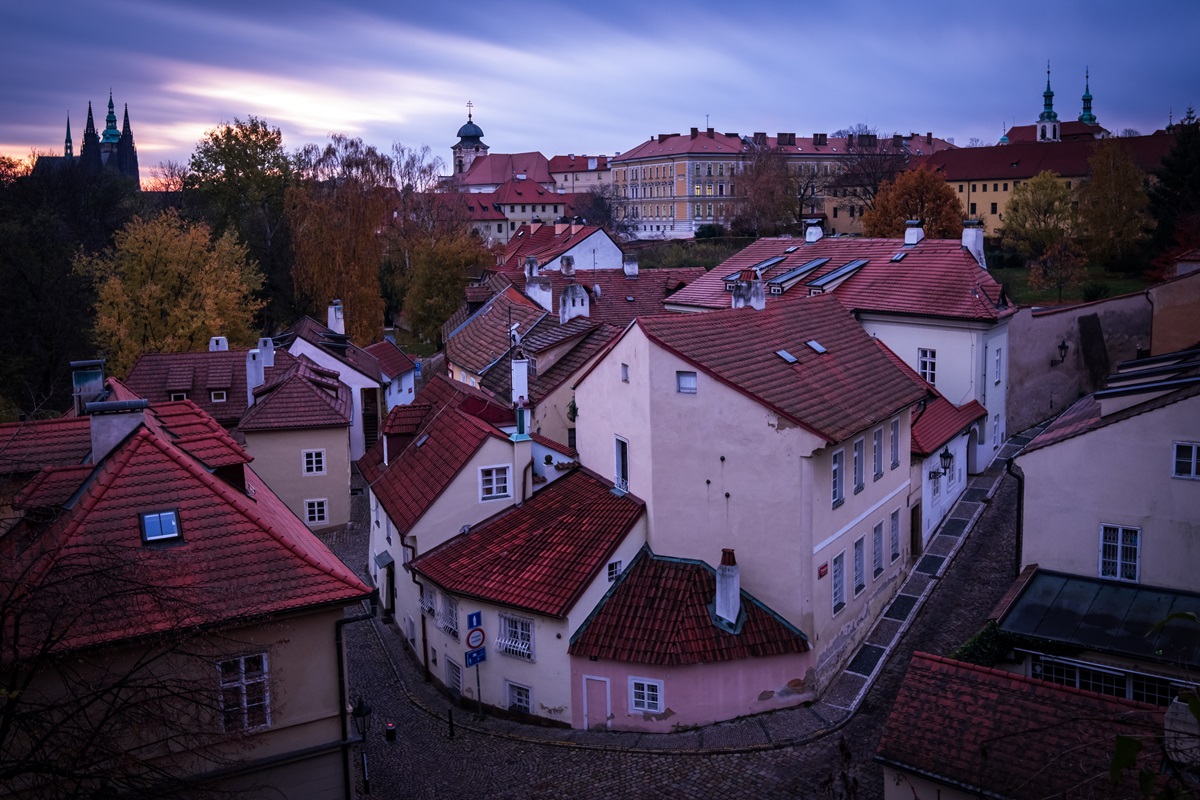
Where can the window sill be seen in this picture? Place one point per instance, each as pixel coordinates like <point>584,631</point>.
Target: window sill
<point>859,589</point>
<point>878,572</point>
<point>878,475</point>
<point>895,464</point>
<point>859,488</point>
<point>837,607</point>
<point>494,497</point>
<point>839,502</point>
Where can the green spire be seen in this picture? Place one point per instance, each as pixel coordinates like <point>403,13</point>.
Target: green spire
<point>1087,116</point>
<point>1048,113</point>
<point>111,135</point>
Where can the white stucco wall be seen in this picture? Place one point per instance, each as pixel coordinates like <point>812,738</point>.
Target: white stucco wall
<point>279,460</point>
<point>351,378</point>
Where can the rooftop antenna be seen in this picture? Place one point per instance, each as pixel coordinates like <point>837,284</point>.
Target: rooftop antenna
<point>706,120</point>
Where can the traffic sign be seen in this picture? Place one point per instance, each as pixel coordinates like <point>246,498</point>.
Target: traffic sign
<point>475,619</point>
<point>475,657</point>
<point>475,638</point>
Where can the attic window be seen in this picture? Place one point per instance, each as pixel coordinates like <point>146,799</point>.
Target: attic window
<point>422,439</point>
<point>899,256</point>
<point>629,298</point>
<point>218,396</point>
<point>158,526</point>
<point>816,346</point>
<point>791,249</point>
<point>786,356</point>
<point>177,396</point>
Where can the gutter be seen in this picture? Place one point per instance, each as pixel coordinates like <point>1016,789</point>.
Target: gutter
<point>341,669</point>
<point>1020,476</point>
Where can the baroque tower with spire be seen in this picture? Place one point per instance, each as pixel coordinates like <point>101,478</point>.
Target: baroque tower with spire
<point>1047,124</point>
<point>112,149</point>
<point>469,146</point>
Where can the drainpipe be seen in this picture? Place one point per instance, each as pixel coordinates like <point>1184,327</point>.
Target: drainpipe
<point>1020,476</point>
<point>528,469</point>
<point>424,638</point>
<point>341,674</point>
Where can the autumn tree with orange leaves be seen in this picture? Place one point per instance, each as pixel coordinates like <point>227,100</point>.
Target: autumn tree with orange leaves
<point>915,194</point>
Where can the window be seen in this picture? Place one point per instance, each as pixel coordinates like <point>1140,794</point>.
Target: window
<point>936,477</point>
<point>839,582</point>
<point>1006,186</point>
<point>839,466</point>
<point>217,396</point>
<point>160,525</point>
<point>877,452</point>
<point>927,364</point>
<point>999,362</point>
<point>974,188</point>
<point>645,695</point>
<point>614,570</point>
<point>685,382</point>
<point>984,187</point>
<point>1119,552</point>
<point>621,467</point>
<point>1187,460</point>
<point>453,675</point>
<point>625,373</point>
<point>993,208</point>
<point>245,696</point>
<point>895,534</point>
<point>493,483</point>
<point>860,565</point>
<point>314,462</point>
<point>960,188</point>
<point>995,431</point>
<point>428,602</point>
<point>315,512</point>
<point>973,212</point>
<point>447,618</point>
<point>877,549</point>
<point>894,436</point>
<point>518,697</point>
<point>571,438</point>
<point>516,637</point>
<point>858,466</point>
<point>177,396</point>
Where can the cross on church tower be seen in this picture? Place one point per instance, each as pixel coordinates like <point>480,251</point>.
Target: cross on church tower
<point>470,105</point>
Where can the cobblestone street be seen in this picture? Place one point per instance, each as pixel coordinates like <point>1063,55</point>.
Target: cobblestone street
<point>757,758</point>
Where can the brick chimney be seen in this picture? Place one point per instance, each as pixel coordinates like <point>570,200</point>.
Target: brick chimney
<point>728,602</point>
<point>334,318</point>
<point>913,232</point>
<point>748,291</point>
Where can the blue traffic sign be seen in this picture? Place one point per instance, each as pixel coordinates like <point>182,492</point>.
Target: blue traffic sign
<point>475,657</point>
<point>475,619</point>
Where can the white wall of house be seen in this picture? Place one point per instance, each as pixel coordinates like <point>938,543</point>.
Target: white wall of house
<point>400,389</point>
<point>938,495</point>
<point>351,378</point>
<point>1120,475</point>
<point>597,251</point>
<point>279,459</point>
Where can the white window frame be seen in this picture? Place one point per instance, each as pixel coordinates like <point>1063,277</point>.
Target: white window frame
<point>489,488</point>
<point>1194,461</point>
<point>218,396</point>
<point>860,565</point>
<point>447,617</point>
<point>877,453</point>
<point>614,570</point>
<point>837,473</point>
<point>509,688</point>
<point>895,534</point>
<point>838,573</point>
<point>178,396</point>
<point>624,373</point>
<point>645,695</point>
<point>233,678</point>
<point>1115,566</point>
<point>999,363</point>
<point>428,601</point>
<point>877,549</point>
<point>685,382</point>
<point>860,466</point>
<point>996,432</point>
<point>316,510</point>
<point>895,443</point>
<point>621,463</point>
<point>453,675</point>
<point>515,637</point>
<point>927,364</point>
<point>312,462</point>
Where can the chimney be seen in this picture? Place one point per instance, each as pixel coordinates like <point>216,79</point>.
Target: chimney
<point>929,137</point>
<point>849,140</point>
<point>576,225</point>
<point>813,230</point>
<point>728,601</point>
<point>521,441</point>
<point>972,240</point>
<point>695,132</point>
<point>87,383</point>
<point>710,133</point>
<point>218,344</point>
<point>534,224</point>
<point>572,302</point>
<point>913,232</point>
<point>897,140</point>
<point>335,319</point>
<point>531,267</point>
<point>539,290</point>
<point>567,266</point>
<point>560,226</point>
<point>266,346</point>
<point>629,262</point>
<point>749,291</point>
<point>112,422</point>
<point>254,374</point>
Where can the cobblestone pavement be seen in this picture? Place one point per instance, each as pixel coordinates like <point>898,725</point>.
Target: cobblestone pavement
<point>785,754</point>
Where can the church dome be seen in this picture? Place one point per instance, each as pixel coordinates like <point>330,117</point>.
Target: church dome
<point>470,131</point>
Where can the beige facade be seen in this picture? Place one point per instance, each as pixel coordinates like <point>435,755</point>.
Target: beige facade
<point>306,468</point>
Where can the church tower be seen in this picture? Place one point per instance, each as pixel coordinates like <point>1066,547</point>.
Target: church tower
<point>111,137</point>
<point>1047,124</point>
<point>89,153</point>
<point>470,145</point>
<point>1087,116</point>
<point>68,148</point>
<point>127,163</point>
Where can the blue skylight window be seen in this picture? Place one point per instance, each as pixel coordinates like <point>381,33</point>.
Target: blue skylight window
<point>160,526</point>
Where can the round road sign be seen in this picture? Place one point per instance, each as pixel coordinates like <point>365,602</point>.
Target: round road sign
<point>475,638</point>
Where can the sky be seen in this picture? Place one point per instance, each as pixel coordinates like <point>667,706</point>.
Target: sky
<point>581,78</point>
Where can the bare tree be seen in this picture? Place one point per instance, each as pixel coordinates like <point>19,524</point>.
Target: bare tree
<point>869,160</point>
<point>604,207</point>
<point>769,203</point>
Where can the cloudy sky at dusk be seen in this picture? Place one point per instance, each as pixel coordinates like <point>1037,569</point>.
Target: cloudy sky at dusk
<point>581,78</point>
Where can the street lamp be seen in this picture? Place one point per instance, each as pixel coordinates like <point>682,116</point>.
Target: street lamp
<point>947,459</point>
<point>1062,353</point>
<point>361,713</point>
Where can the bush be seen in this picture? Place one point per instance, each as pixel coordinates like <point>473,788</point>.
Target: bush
<point>1096,290</point>
<point>711,231</point>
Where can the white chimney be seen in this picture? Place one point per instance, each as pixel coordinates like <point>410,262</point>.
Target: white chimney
<point>111,422</point>
<point>748,291</point>
<point>255,374</point>
<point>813,230</point>
<point>913,232</point>
<point>531,266</point>
<point>540,291</point>
<point>728,601</point>
<point>972,240</point>
<point>567,265</point>
<point>266,346</point>
<point>335,320</point>
<point>218,344</point>
<point>629,262</point>
<point>520,380</point>
<point>572,302</point>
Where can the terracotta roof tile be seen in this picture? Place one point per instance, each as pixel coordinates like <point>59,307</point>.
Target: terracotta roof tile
<point>1023,160</point>
<point>392,360</point>
<point>542,242</point>
<point>26,447</point>
<point>619,298</point>
<point>1006,735</point>
<point>484,338</point>
<point>578,163</point>
<point>303,397</point>
<point>496,168</point>
<point>541,556</point>
<point>849,387</point>
<point>499,378</point>
<point>659,613</point>
<point>319,335</point>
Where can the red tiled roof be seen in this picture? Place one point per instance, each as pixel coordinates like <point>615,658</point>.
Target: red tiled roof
<point>1024,160</point>
<point>936,277</point>
<point>316,334</point>
<point>706,142</point>
<point>525,191</point>
<point>659,613</point>
<point>1005,735</point>
<point>851,386</point>
<point>940,420</point>
<point>499,379</point>
<point>53,486</point>
<point>673,144</point>
<point>541,556</point>
<point>196,433</point>
<point>493,283</point>
<point>577,163</point>
<point>406,419</point>
<point>156,376</point>
<point>484,338</point>
<point>1068,131</point>
<point>496,168</point>
<point>557,447</point>
<point>619,298</point>
<point>392,360</point>
<point>28,446</point>
<point>242,554</point>
<point>435,453</point>
<point>306,396</point>
<point>542,242</point>
<point>477,206</point>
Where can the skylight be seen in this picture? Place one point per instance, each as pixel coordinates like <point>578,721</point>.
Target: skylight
<point>158,526</point>
<point>423,439</point>
<point>786,356</point>
<point>841,272</point>
<point>816,346</point>
<point>899,256</point>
